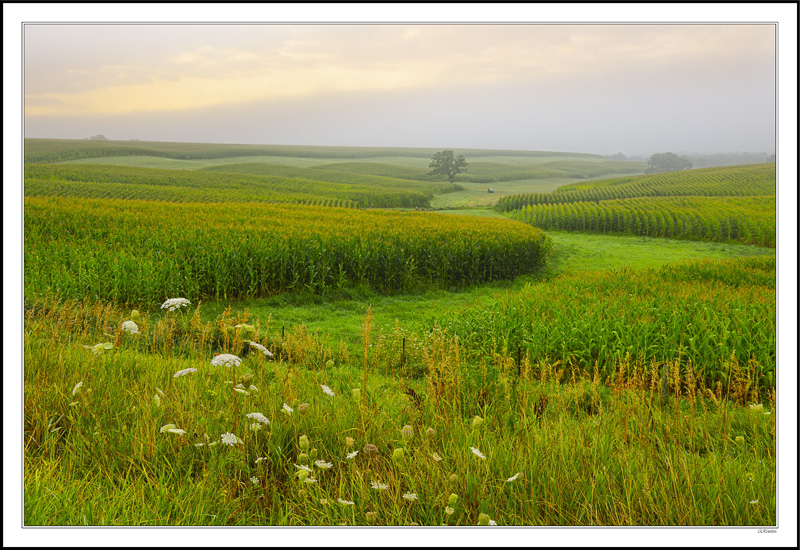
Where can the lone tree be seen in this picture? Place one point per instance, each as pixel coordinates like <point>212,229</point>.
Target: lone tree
<point>667,162</point>
<point>445,164</point>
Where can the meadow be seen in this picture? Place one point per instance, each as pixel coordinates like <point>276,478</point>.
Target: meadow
<point>221,343</point>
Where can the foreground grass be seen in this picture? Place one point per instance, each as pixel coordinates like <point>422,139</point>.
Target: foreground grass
<point>97,449</point>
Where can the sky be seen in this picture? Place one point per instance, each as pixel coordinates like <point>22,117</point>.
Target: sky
<point>594,88</point>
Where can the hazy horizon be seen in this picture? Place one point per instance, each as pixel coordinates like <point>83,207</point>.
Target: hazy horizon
<point>602,89</point>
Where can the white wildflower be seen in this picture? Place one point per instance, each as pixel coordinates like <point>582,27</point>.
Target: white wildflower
<point>175,303</point>
<point>259,417</point>
<point>199,444</point>
<point>226,359</point>
<point>130,326</point>
<point>436,457</point>
<point>477,453</point>
<point>352,455</point>
<point>98,349</point>
<point>240,390</point>
<point>183,372</point>
<point>410,496</point>
<point>346,502</point>
<point>255,426</point>
<point>448,510</point>
<point>514,477</point>
<point>260,348</point>
<point>254,480</point>
<point>323,501</point>
<point>176,431</point>
<point>379,486</point>
<point>77,388</point>
<point>327,390</point>
<point>310,480</point>
<point>287,409</point>
<point>492,522</point>
<point>161,393</point>
<point>252,388</point>
<point>754,501</point>
<point>229,439</point>
<point>166,427</point>
<point>259,459</point>
<point>303,468</point>
<point>322,464</point>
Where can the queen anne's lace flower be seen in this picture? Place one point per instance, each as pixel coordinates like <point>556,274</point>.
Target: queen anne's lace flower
<point>346,502</point>
<point>167,427</point>
<point>183,372</point>
<point>175,303</point>
<point>352,455</point>
<point>259,417</point>
<point>287,409</point>
<point>410,496</point>
<point>327,390</point>
<point>260,348</point>
<point>130,326</point>
<point>176,431</point>
<point>77,388</point>
<point>254,480</point>
<point>240,390</point>
<point>229,439</point>
<point>514,477</point>
<point>436,457</point>
<point>379,486</point>
<point>322,464</point>
<point>226,359</point>
<point>477,453</point>
<point>303,468</point>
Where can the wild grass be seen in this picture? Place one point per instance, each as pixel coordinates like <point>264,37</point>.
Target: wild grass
<point>473,442</point>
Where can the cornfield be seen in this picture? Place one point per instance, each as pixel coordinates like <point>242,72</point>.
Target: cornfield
<point>143,252</point>
<point>122,182</point>
<point>750,180</point>
<point>717,316</point>
<point>747,220</point>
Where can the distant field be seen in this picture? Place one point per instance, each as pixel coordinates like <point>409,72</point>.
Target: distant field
<point>477,195</point>
<point>508,172</point>
<point>128,182</point>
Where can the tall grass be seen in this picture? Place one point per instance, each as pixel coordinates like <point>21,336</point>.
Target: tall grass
<point>491,442</point>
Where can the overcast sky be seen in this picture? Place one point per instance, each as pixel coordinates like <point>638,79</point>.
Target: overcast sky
<point>636,89</point>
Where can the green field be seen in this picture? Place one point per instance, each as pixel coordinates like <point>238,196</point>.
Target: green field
<point>432,368</point>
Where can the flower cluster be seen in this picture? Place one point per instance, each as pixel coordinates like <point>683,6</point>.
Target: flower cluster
<point>259,417</point>
<point>226,359</point>
<point>477,453</point>
<point>260,348</point>
<point>183,372</point>
<point>131,327</point>
<point>175,303</point>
